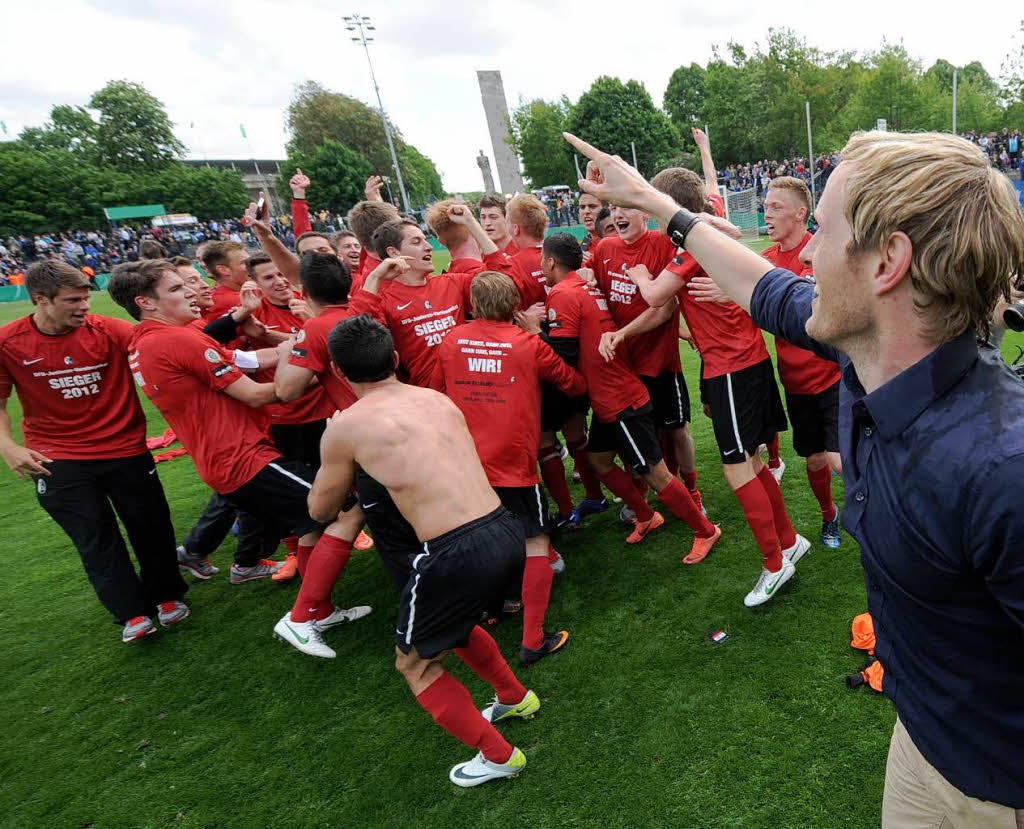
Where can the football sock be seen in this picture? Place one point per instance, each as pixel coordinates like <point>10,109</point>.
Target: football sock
<point>621,484</point>
<point>773,452</point>
<point>325,564</point>
<point>552,554</point>
<point>668,451</point>
<point>690,479</point>
<point>302,554</point>
<point>552,470</point>
<point>449,702</point>
<point>783,526</point>
<point>758,511</point>
<point>681,504</point>
<point>484,659</point>
<point>821,485</point>
<point>537,577</point>
<point>581,461</point>
<point>291,544</point>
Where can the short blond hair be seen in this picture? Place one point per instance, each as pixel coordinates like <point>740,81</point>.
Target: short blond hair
<point>367,216</point>
<point>494,296</point>
<point>962,217</point>
<point>796,186</point>
<point>529,213</point>
<point>448,232</point>
<point>215,253</point>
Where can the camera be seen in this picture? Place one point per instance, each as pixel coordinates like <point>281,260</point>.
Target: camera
<point>1013,316</point>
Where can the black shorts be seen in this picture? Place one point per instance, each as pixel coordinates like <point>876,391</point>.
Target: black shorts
<point>530,505</point>
<point>455,578</point>
<point>393,536</point>
<point>556,407</point>
<point>632,435</point>
<point>278,494</point>
<point>815,419</point>
<point>299,441</point>
<point>670,399</point>
<point>746,410</point>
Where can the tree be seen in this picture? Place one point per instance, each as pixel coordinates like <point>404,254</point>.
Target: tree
<point>977,97</point>
<point>70,128</point>
<point>891,89</point>
<point>684,96</point>
<point>336,176</point>
<point>134,132</point>
<point>536,137</point>
<point>611,114</point>
<point>422,180</point>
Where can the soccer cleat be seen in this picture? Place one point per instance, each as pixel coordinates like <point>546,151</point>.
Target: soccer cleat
<point>642,528</point>
<point>172,612</point>
<point>797,551</point>
<point>303,636</point>
<point>525,708</point>
<point>341,615</point>
<point>591,506</point>
<point>195,565</point>
<point>265,569</point>
<point>778,471</point>
<point>701,547</point>
<point>363,542</point>
<point>288,569</point>
<point>481,770</point>
<point>768,584</point>
<point>576,477</point>
<point>830,532</point>
<point>568,522</point>
<point>212,568</point>
<point>558,565</point>
<point>136,628</point>
<point>552,642</point>
<point>626,515</point>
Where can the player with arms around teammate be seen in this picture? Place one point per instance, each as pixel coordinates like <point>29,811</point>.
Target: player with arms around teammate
<point>85,447</point>
<point>415,443</point>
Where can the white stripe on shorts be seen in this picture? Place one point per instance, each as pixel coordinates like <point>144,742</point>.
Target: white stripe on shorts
<point>540,506</point>
<point>639,456</point>
<point>732,411</point>
<point>679,399</point>
<point>288,474</point>
<point>412,594</point>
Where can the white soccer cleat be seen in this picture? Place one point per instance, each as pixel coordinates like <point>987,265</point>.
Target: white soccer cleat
<point>778,471</point>
<point>768,584</point>
<point>303,636</point>
<point>341,615</point>
<point>481,770</point>
<point>796,552</point>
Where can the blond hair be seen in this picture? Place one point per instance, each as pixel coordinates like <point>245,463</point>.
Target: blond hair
<point>684,186</point>
<point>367,216</point>
<point>529,213</point>
<point>448,232</point>
<point>796,186</point>
<point>962,217</point>
<point>215,253</point>
<point>494,296</point>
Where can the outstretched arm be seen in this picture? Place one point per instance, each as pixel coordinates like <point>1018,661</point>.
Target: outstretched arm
<point>274,247</point>
<point>707,163</point>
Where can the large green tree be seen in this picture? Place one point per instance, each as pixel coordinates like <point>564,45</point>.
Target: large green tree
<point>684,96</point>
<point>134,132</point>
<point>336,176</point>
<point>536,137</point>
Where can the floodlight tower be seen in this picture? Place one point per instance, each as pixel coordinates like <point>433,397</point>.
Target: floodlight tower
<point>361,24</point>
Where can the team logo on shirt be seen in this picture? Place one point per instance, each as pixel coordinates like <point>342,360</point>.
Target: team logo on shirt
<point>301,337</point>
<point>427,305</point>
<point>551,313</point>
<point>69,361</point>
<point>212,356</point>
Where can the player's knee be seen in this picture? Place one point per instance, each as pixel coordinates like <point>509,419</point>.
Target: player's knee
<point>817,461</point>
<point>658,476</point>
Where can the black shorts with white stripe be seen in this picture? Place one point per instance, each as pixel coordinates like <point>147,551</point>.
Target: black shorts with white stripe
<point>746,410</point>
<point>393,536</point>
<point>277,493</point>
<point>632,435</point>
<point>670,399</point>
<point>530,504</point>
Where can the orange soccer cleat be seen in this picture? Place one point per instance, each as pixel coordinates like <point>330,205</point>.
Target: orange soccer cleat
<point>701,547</point>
<point>642,528</point>
<point>289,567</point>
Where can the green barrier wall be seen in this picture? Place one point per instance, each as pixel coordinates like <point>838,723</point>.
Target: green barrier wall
<point>14,293</point>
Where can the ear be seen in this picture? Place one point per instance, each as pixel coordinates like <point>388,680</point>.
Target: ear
<point>337,371</point>
<point>893,263</point>
<point>394,359</point>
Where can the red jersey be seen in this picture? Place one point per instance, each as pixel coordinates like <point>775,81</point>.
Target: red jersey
<point>75,389</point>
<point>418,317</point>
<point>574,309</point>
<point>470,267</point>
<point>655,351</point>
<point>183,372</point>
<point>511,249</point>
<point>224,299</point>
<point>300,217</point>
<point>525,270</point>
<point>368,262</point>
<point>492,372</point>
<point>310,352</point>
<point>801,371</point>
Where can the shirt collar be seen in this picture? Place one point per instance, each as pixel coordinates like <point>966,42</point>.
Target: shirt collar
<point>898,403</point>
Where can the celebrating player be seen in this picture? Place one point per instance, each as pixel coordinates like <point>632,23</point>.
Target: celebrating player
<point>492,217</point>
<point>224,262</point>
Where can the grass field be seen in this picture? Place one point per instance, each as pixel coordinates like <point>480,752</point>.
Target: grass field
<point>645,721</point>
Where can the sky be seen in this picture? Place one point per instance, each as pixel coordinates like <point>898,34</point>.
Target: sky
<point>218,65</point>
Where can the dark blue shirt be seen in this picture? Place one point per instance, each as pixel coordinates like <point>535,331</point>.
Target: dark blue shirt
<point>933,462</point>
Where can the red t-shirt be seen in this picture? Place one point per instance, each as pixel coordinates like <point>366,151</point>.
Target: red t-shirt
<point>310,352</point>
<point>492,372</point>
<point>801,371</point>
<point>75,389</point>
<point>469,267</point>
<point>418,317</point>
<point>224,299</point>
<point>655,351</point>
<point>574,309</point>
<point>525,270</point>
<point>300,217</point>
<point>511,249</point>
<point>368,263</point>
<point>183,371</point>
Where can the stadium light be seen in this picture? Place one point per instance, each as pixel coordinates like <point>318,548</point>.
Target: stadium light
<point>361,24</point>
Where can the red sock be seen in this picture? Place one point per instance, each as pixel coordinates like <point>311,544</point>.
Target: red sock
<point>773,452</point>
<point>302,554</point>
<point>552,554</point>
<point>783,526</point>
<point>291,544</point>
<point>668,450</point>
<point>448,701</point>
<point>552,470</point>
<point>581,461</point>
<point>484,659</point>
<point>690,479</point>
<point>537,577</point>
<point>325,564</point>
<point>758,511</point>
<point>619,482</point>
<point>678,500</point>
<point>821,486</point>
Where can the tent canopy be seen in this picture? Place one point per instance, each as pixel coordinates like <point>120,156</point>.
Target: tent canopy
<point>133,211</point>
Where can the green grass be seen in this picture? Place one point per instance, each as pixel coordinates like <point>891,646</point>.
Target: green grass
<point>645,722</point>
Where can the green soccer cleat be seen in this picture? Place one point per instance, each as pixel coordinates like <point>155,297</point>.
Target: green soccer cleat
<point>525,708</point>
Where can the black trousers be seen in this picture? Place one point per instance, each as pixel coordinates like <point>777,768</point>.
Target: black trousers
<point>83,496</point>
<point>255,539</point>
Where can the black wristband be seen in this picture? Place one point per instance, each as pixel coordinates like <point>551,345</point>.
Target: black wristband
<point>680,226</point>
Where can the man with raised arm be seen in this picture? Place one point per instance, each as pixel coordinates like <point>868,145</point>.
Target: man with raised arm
<point>917,238</point>
<point>415,443</point>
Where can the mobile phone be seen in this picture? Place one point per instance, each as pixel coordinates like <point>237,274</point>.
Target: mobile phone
<point>259,207</point>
